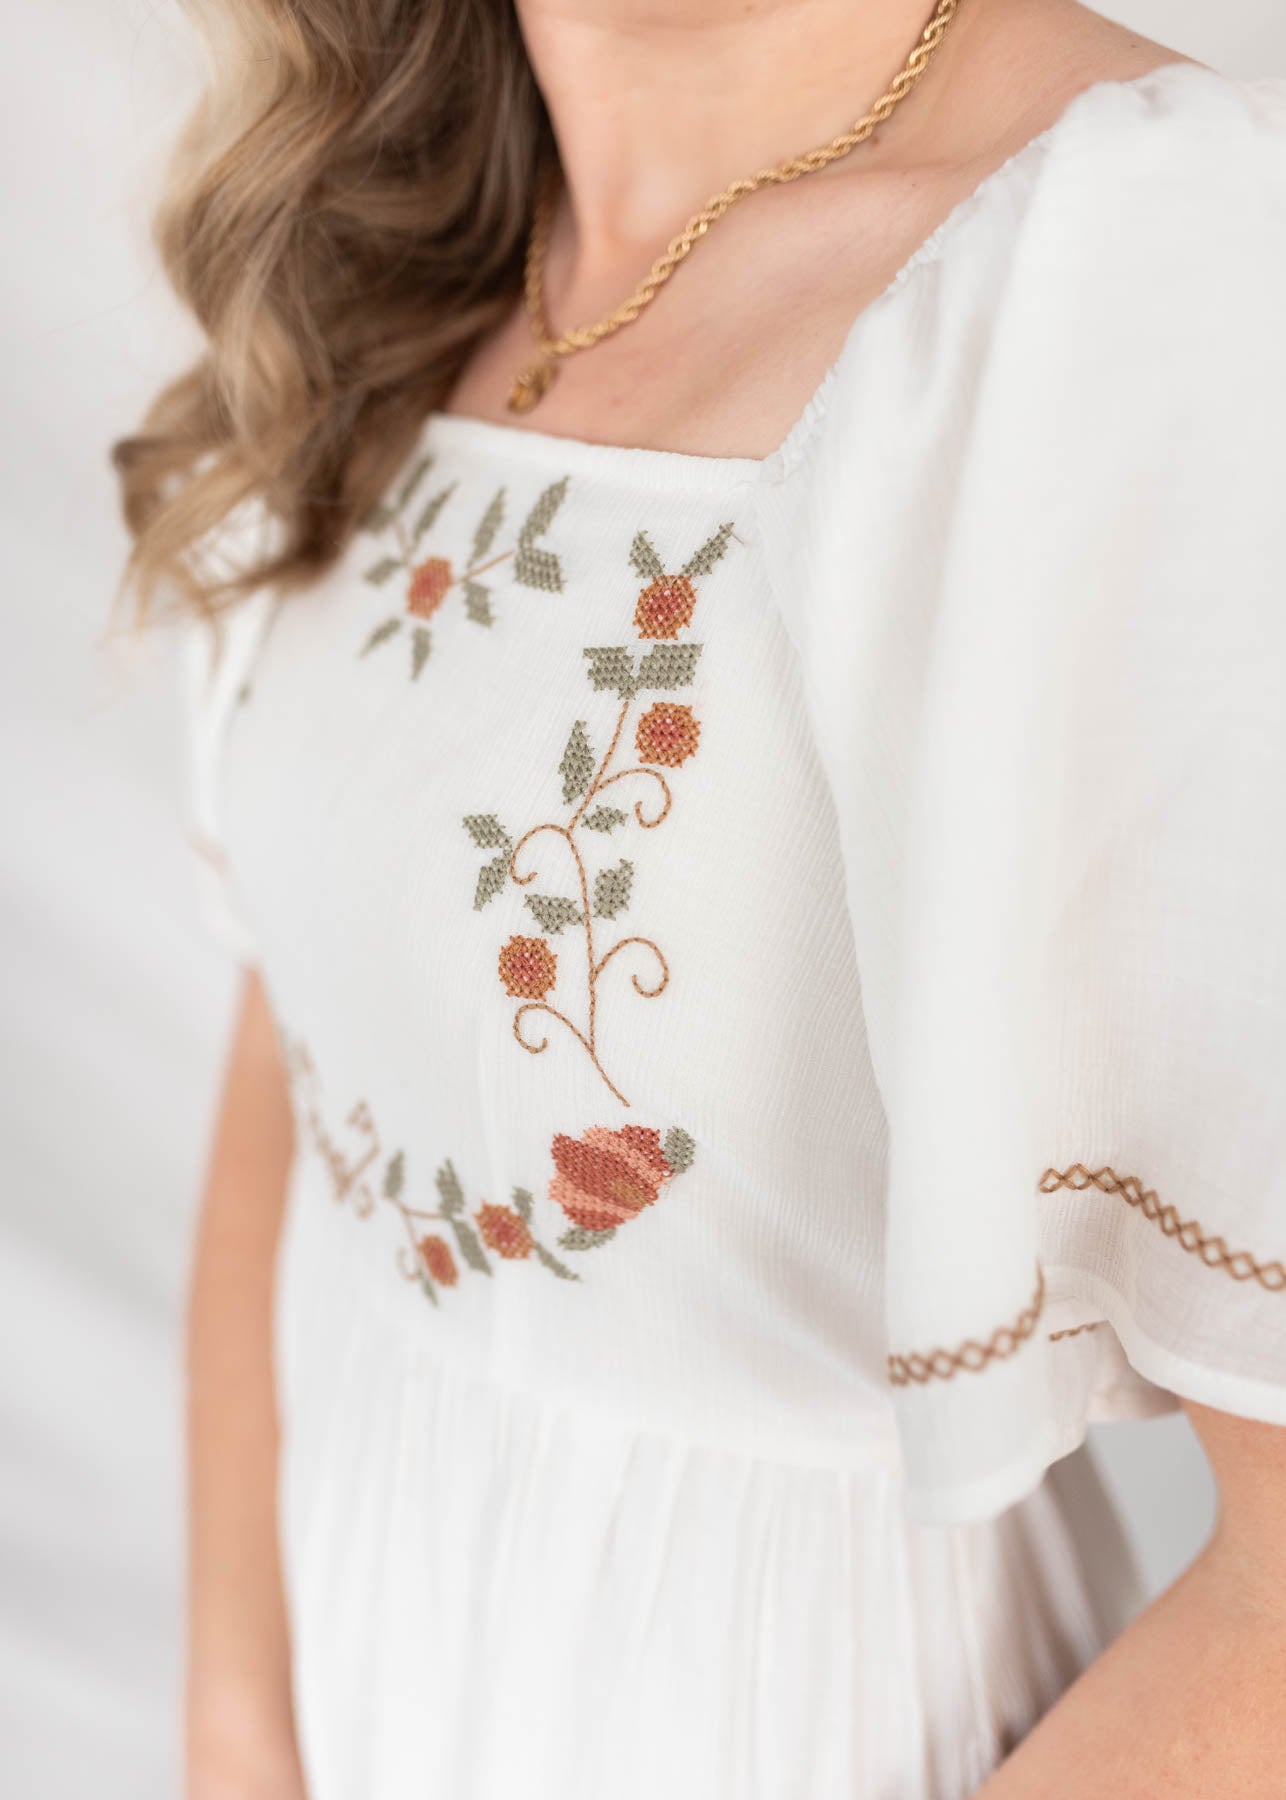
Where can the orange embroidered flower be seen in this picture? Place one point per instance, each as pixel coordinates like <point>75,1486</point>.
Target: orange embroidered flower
<point>503,1231</point>
<point>606,1177</point>
<point>528,968</point>
<point>667,734</point>
<point>429,584</point>
<point>665,606</point>
<point>435,1253</point>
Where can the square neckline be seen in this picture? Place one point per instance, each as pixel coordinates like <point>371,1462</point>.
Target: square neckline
<point>659,467</point>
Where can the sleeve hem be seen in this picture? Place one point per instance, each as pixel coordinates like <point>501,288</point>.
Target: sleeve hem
<point>1245,1395</point>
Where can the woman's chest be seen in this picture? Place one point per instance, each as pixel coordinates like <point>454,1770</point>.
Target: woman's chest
<point>525,812</point>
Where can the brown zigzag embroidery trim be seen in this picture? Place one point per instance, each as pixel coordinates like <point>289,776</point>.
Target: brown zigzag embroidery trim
<point>972,1355</point>
<point>1073,1331</point>
<point>1213,1251</point>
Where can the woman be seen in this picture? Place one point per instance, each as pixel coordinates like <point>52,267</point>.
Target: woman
<point>751,831</point>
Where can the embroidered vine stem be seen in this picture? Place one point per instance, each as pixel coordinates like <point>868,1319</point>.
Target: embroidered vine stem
<point>603,780</point>
<point>593,966</point>
<point>666,733</point>
<point>404,544</point>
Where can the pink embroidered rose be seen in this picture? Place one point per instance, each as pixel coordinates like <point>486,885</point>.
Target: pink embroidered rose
<point>528,968</point>
<point>665,606</point>
<point>606,1177</point>
<point>429,584</point>
<point>435,1254</point>
<point>504,1231</point>
<point>667,734</point>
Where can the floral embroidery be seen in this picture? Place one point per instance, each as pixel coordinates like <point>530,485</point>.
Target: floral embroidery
<point>601,1180</point>
<point>666,735</point>
<point>430,579</point>
<point>439,1264</point>
<point>528,968</point>
<point>605,1178</point>
<point>347,1170</point>
<point>505,1232</point>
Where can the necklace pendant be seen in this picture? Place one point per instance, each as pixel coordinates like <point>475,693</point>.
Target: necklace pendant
<point>532,385</point>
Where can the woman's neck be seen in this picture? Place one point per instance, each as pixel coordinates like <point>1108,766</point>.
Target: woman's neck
<point>657,104</point>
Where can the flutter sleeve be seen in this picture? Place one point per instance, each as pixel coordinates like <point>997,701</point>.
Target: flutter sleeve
<point>1056,730</point>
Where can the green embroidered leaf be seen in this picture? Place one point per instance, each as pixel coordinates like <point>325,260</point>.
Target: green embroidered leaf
<point>243,694</point>
<point>395,1175</point>
<point>553,912</point>
<point>537,568</point>
<point>522,1204</point>
<point>678,1149</point>
<point>377,518</point>
<point>551,1262</point>
<point>379,572</point>
<point>578,1238</point>
<point>604,818</point>
<point>421,644</point>
<point>534,567</point>
<point>486,831</point>
<point>669,665</point>
<point>577,766</point>
<point>612,890</point>
<point>470,1249</point>
<point>709,553</point>
<point>543,513</point>
<point>488,525</point>
<point>477,603</point>
<point>430,513</point>
<point>379,634</point>
<point>429,1289</point>
<point>644,558</point>
<point>451,1194</point>
<point>611,667</point>
<point>416,475</point>
<point>492,877</point>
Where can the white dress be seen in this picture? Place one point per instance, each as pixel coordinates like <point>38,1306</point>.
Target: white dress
<point>781,967</point>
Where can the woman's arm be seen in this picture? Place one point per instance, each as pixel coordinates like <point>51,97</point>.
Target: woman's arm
<point>240,1742</point>
<point>1189,1703</point>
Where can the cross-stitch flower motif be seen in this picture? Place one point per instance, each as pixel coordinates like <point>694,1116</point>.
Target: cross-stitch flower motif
<point>528,968</point>
<point>430,580</point>
<point>665,606</point>
<point>607,1177</point>
<point>439,1263</point>
<point>601,1180</point>
<point>667,734</point>
<point>504,1232</point>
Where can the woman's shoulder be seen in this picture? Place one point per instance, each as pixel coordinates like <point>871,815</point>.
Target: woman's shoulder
<point>1178,117</point>
<point>1147,269</point>
<point>1137,180</point>
<point>1065,415</point>
<point>1145,226</point>
<point>1180,167</point>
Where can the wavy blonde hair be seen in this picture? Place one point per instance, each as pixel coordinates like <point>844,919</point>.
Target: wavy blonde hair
<point>345,218</point>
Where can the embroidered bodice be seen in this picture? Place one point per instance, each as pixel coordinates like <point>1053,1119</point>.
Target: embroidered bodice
<point>560,949</point>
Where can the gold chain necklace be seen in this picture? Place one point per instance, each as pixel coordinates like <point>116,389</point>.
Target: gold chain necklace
<point>534,381</point>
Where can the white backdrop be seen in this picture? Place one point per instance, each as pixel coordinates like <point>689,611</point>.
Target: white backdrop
<point>116,1002</point>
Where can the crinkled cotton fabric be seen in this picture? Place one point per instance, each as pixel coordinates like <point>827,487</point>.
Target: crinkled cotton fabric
<point>780,968</point>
